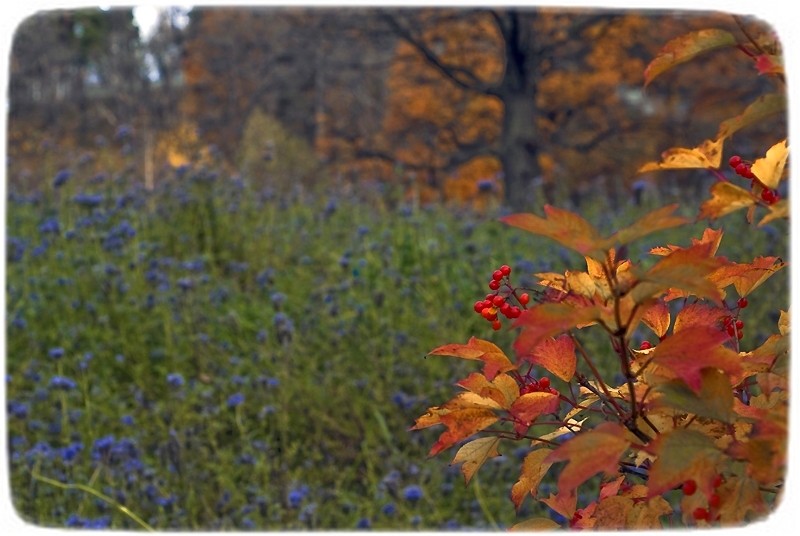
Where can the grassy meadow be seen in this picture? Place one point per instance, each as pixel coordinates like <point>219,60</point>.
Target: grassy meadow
<point>215,355</point>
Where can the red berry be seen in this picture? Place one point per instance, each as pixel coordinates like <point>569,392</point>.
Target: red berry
<point>731,331</point>
<point>689,487</point>
<point>740,335</point>
<point>775,198</point>
<point>645,345</point>
<point>767,195</point>
<point>553,391</point>
<point>497,275</point>
<point>735,161</point>
<point>742,303</point>
<point>496,325</point>
<point>505,310</point>
<point>524,299</point>
<point>544,384</point>
<point>739,324</point>
<point>727,321</point>
<point>505,269</point>
<point>718,480</point>
<point>515,312</point>
<point>478,306</point>
<point>498,301</point>
<point>748,174</point>
<point>714,500</point>
<point>740,168</point>
<point>486,312</point>
<point>701,513</point>
<point>487,303</point>
<point>494,285</point>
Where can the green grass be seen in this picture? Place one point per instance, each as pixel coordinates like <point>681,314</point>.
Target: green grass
<point>327,407</point>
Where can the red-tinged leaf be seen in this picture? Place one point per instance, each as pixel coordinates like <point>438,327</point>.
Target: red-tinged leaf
<point>590,453</point>
<point>764,462</point>
<point>471,400</point>
<point>563,226</point>
<point>611,488</point>
<point>761,269</point>
<point>726,197</point>
<point>657,220</point>
<point>686,47</point>
<point>535,524</point>
<point>740,496</point>
<point>769,170</point>
<point>529,406</point>
<point>503,389</point>
<point>474,382</point>
<point>682,455</point>
<point>698,315</point>
<point>612,513</point>
<point>763,107</point>
<point>474,454</point>
<point>533,470</point>
<point>462,424</point>
<point>707,155</point>
<point>750,412</point>
<point>583,520</point>
<point>431,418</point>
<point>657,318</point>
<point>776,211</point>
<point>769,64</point>
<point>563,503</point>
<point>547,320</point>
<point>684,269</point>
<point>694,349</point>
<point>556,355</point>
<point>463,351</point>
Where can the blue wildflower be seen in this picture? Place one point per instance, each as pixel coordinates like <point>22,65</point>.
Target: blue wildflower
<point>50,225</point>
<point>175,379</point>
<point>60,382</point>
<point>56,353</point>
<point>61,178</point>
<point>363,523</point>
<point>389,509</point>
<point>412,493</point>
<point>235,399</point>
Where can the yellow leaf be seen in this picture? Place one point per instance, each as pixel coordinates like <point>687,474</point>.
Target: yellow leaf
<point>783,322</point>
<point>725,198</point>
<point>560,431</point>
<point>473,454</point>
<point>762,107</point>
<point>769,169</point>
<point>612,513</point>
<point>645,515</point>
<point>776,210</point>
<point>533,470</point>
<point>707,155</point>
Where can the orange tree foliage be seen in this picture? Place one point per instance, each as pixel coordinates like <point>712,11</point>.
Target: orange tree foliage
<point>696,415</point>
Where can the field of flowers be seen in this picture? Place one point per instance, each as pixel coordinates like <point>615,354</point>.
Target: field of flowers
<point>211,355</point>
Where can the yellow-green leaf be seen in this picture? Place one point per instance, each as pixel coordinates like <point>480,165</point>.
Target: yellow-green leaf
<point>769,169</point>
<point>473,454</point>
<point>686,47</point>
<point>682,454</point>
<point>761,108</point>
<point>776,210</point>
<point>715,400</point>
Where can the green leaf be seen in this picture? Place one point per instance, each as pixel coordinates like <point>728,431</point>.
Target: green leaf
<point>686,47</point>
<point>715,400</point>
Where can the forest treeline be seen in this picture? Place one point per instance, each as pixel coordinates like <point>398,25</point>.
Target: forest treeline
<point>449,103</point>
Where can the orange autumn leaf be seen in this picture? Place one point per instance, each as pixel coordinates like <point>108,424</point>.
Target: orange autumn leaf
<point>530,406</point>
<point>503,389</point>
<point>726,198</point>
<point>589,453</point>
<point>698,314</point>
<point>695,349</point>
<point>684,48</point>
<point>547,320</point>
<point>431,418</point>
<point>612,513</point>
<point>657,318</point>
<point>535,524</point>
<point>556,355</point>
<point>462,424</point>
<point>533,470</point>
<point>656,220</point>
<point>474,454</point>
<point>561,225</point>
<point>564,502</point>
<point>747,277</point>
<point>479,350</point>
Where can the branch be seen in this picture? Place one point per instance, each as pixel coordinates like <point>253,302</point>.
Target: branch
<point>452,72</point>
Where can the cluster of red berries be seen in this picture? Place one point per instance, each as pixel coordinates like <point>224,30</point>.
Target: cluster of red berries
<point>734,326</point>
<point>743,169</point>
<point>497,303</point>
<point>690,487</point>
<point>540,386</point>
